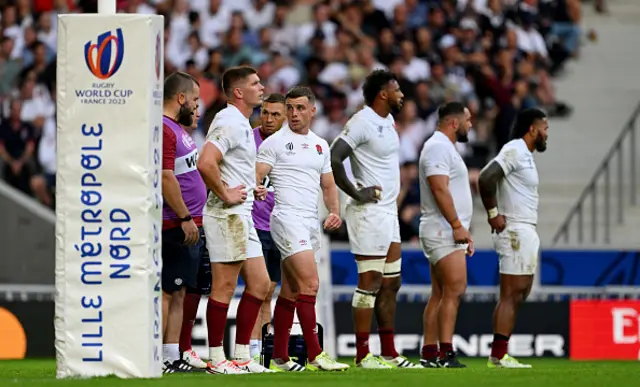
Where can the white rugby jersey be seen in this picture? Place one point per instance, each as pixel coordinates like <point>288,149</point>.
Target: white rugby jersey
<point>232,134</point>
<point>439,156</point>
<point>297,162</point>
<point>518,191</point>
<point>375,160</point>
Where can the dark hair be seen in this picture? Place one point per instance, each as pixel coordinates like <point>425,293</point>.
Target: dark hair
<point>176,83</point>
<point>233,75</point>
<point>194,16</point>
<point>274,98</point>
<point>374,83</point>
<point>450,109</point>
<point>301,91</point>
<point>37,44</point>
<point>525,119</point>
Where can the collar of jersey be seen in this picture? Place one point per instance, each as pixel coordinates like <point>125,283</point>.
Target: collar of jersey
<point>373,116</point>
<point>235,112</point>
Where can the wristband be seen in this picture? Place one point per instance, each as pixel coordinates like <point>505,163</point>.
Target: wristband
<point>492,213</point>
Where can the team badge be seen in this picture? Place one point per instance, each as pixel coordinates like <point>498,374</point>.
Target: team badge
<point>319,149</point>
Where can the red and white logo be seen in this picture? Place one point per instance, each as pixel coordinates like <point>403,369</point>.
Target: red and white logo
<point>605,330</point>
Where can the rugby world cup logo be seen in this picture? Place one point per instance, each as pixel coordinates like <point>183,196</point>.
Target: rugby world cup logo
<point>105,57</point>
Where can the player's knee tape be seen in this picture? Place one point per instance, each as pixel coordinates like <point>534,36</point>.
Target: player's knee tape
<point>365,299</point>
<point>371,265</point>
<point>392,269</point>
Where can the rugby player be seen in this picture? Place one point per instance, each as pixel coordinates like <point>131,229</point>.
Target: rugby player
<point>272,117</point>
<point>513,215</point>
<point>371,142</point>
<point>184,195</point>
<point>446,206</point>
<point>298,164</point>
<point>194,294</point>
<point>227,165</point>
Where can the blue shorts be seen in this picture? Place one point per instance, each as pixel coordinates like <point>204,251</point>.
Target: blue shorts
<point>271,255</point>
<point>179,262</point>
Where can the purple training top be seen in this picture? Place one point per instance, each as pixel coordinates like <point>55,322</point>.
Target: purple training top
<point>262,208</point>
<point>180,155</point>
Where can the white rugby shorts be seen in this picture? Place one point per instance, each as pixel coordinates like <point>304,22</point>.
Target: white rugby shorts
<point>518,247</point>
<point>293,234</point>
<point>371,231</point>
<point>437,242</point>
<point>232,238</point>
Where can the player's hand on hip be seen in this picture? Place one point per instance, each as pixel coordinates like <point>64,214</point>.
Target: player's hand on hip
<point>191,233</point>
<point>370,194</point>
<point>260,192</point>
<point>498,223</point>
<point>236,195</point>
<point>332,223</point>
<point>461,235</point>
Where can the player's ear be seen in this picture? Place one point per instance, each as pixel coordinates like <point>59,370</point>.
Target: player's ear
<point>237,92</point>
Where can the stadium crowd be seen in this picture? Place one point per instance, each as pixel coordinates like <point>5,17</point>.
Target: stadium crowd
<point>496,56</point>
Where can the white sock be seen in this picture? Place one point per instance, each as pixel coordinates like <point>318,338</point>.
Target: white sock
<point>216,355</point>
<point>255,347</point>
<point>170,352</point>
<point>173,352</point>
<point>166,352</point>
<point>241,352</point>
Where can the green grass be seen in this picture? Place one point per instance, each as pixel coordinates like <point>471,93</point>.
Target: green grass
<point>545,372</point>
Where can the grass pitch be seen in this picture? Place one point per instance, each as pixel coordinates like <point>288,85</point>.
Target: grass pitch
<point>545,372</point>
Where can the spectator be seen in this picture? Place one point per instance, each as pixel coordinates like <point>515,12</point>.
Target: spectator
<point>17,147</point>
<point>260,14</point>
<point>566,23</point>
<point>215,22</point>
<point>416,69</point>
<point>320,22</point>
<point>47,34</point>
<point>409,202</point>
<point>47,156</point>
<point>9,67</point>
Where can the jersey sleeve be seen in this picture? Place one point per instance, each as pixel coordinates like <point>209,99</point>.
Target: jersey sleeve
<point>326,165</point>
<point>168,148</point>
<point>224,137</point>
<point>354,133</point>
<point>508,159</point>
<point>437,161</point>
<point>267,153</point>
